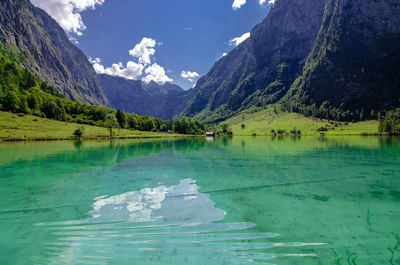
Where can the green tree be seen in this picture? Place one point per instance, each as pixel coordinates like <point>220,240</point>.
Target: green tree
<point>147,124</point>
<point>23,105</point>
<point>33,102</point>
<point>11,101</point>
<point>132,122</point>
<point>372,114</point>
<point>79,132</point>
<point>121,118</point>
<point>169,124</point>
<point>362,115</point>
<point>111,123</point>
<point>225,127</point>
<point>188,126</point>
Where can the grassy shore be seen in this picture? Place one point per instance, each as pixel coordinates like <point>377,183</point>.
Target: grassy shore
<point>21,127</point>
<point>261,123</point>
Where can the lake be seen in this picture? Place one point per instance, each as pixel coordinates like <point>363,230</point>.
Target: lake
<point>240,200</point>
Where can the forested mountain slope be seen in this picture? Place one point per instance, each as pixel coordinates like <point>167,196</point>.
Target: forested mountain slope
<point>37,42</point>
<point>353,71</point>
<point>319,57</point>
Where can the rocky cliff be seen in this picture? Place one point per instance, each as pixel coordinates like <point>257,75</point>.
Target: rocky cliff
<point>43,48</point>
<point>354,64</point>
<point>342,53</point>
<point>261,69</point>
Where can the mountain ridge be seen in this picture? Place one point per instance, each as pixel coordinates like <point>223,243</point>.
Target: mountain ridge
<point>362,76</point>
<point>134,96</point>
<point>286,48</point>
<point>249,68</point>
<point>45,50</point>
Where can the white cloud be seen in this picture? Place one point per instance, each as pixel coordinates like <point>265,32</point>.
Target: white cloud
<point>236,41</point>
<point>67,12</point>
<point>157,74</point>
<point>98,67</point>
<point>144,50</point>
<point>135,70</point>
<point>238,3</point>
<point>189,75</point>
<point>132,70</point>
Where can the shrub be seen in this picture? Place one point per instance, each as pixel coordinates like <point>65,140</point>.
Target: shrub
<point>225,128</point>
<point>79,132</point>
<point>280,131</point>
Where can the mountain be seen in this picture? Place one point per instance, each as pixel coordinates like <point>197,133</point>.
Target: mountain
<point>339,54</point>
<point>38,43</point>
<point>353,68</point>
<point>134,96</point>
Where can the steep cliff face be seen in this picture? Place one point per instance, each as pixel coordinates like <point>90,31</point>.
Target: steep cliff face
<point>261,69</point>
<point>134,96</point>
<point>342,54</point>
<point>44,49</point>
<point>354,64</point>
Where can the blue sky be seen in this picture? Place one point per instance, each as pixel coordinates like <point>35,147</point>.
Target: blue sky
<point>181,35</point>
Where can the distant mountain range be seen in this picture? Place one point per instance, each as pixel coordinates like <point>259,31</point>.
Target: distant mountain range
<point>337,59</point>
<point>134,96</point>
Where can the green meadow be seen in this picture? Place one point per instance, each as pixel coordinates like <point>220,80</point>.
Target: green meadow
<point>261,123</point>
<point>21,127</point>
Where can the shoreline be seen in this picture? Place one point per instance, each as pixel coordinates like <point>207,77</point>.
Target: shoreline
<point>49,139</point>
<point>320,135</point>
<point>98,138</point>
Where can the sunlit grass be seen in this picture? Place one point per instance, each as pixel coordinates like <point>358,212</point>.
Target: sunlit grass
<point>261,123</point>
<point>14,126</point>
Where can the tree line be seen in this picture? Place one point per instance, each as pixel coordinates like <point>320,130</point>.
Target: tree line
<point>22,92</point>
<point>329,112</point>
<point>390,122</point>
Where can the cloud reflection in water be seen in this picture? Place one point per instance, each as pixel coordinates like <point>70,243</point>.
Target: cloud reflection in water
<point>180,204</point>
<point>161,225</point>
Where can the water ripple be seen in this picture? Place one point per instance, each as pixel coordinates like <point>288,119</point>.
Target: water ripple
<point>163,225</point>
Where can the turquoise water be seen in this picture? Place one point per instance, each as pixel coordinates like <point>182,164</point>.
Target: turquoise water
<point>241,200</point>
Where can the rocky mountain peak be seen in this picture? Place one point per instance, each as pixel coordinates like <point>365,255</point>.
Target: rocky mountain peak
<point>45,50</point>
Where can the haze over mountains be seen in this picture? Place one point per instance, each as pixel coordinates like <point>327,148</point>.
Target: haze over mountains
<point>134,96</point>
<point>326,58</point>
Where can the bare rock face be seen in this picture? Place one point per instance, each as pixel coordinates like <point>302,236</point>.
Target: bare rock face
<point>44,49</point>
<point>261,69</point>
<point>354,62</point>
<point>305,53</point>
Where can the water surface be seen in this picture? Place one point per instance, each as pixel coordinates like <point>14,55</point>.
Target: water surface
<point>241,200</point>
